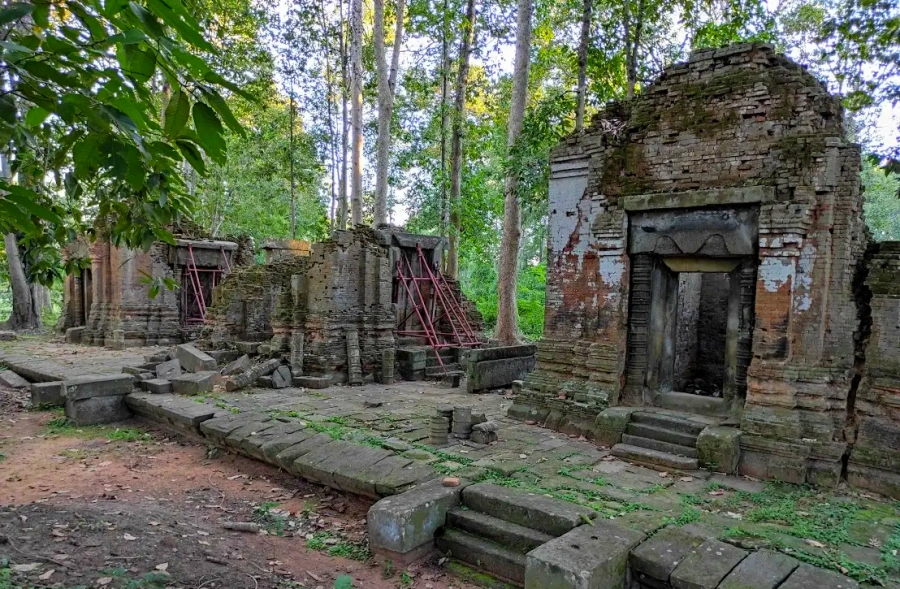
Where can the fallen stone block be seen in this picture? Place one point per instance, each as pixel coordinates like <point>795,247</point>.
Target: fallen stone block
<point>133,371</point>
<point>245,379</point>
<point>83,387</point>
<point>282,377</point>
<point>47,394</point>
<point>237,366</point>
<point>265,382</point>
<point>97,410</point>
<point>706,565</point>
<point>586,557</point>
<point>193,384</point>
<point>611,424</point>
<point>74,335</point>
<point>157,386</point>
<point>194,360</point>
<point>250,348</point>
<point>168,369</point>
<point>312,382</point>
<point>719,449</point>
<point>764,569</point>
<point>481,437</point>
<point>11,380</point>
<point>401,528</point>
<point>493,368</point>
<point>224,356</point>
<point>158,357</point>
<point>7,336</point>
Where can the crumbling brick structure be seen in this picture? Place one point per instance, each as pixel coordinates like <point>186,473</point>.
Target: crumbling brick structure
<point>733,165</point>
<point>109,304</point>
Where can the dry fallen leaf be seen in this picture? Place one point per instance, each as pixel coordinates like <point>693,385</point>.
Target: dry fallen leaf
<point>717,493</point>
<point>129,537</point>
<point>46,575</point>
<point>663,475</point>
<point>814,543</point>
<point>104,581</point>
<point>686,479</point>
<point>162,566</point>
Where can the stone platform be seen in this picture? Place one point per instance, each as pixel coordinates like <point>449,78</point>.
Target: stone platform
<point>390,424</point>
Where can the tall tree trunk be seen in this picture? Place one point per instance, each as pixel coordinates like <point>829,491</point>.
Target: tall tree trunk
<point>291,155</point>
<point>445,121</point>
<point>25,313</point>
<point>386,84</point>
<point>331,103</point>
<point>582,64</point>
<point>356,72</point>
<point>507,315</point>
<point>345,126</point>
<point>633,24</point>
<point>459,116</point>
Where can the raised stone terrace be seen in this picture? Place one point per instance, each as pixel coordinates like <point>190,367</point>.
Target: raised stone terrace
<point>372,440</point>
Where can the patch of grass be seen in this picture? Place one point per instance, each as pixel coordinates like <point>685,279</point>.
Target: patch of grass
<point>128,434</point>
<point>337,420</point>
<point>406,580</point>
<point>265,515</point>
<point>687,516</point>
<point>349,550</point>
<point>2,456</point>
<point>654,489</point>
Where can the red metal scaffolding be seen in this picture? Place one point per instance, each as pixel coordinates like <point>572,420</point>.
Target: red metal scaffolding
<point>194,273</point>
<point>433,301</point>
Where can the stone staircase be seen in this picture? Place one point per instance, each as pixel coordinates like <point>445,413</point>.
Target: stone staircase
<point>661,440</point>
<point>448,357</point>
<point>495,527</point>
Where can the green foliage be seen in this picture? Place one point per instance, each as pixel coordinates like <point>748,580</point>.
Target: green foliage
<point>83,108</point>
<point>882,204</point>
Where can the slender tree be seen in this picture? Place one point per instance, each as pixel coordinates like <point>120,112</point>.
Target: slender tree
<point>458,122</point>
<point>582,64</point>
<point>507,314</point>
<point>445,117</point>
<point>345,123</point>
<point>356,105</point>
<point>387,81</point>
<point>633,23</point>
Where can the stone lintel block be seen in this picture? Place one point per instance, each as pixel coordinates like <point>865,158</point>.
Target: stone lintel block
<point>810,577</point>
<point>761,570</point>
<point>524,412</point>
<point>492,374</point>
<point>282,377</point>
<point>157,386</point>
<point>312,382</point>
<point>194,360</point>
<point>551,516</point>
<point>224,356</point>
<point>658,556</point>
<point>193,384</point>
<point>104,385</point>
<point>237,366</point>
<point>97,410</point>
<point>48,393</point>
<point>501,352</point>
<point>611,424</point>
<point>406,523</point>
<point>587,557</point>
<point>168,369</point>
<point>706,565</point>
<point>11,380</point>
<point>719,448</point>
<point>873,479</point>
<point>74,335</point>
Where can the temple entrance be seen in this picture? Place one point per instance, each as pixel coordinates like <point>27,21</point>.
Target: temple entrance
<point>693,280</point>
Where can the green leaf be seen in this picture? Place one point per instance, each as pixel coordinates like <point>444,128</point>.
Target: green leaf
<point>177,113</point>
<point>221,107</point>
<point>214,78</point>
<point>26,199</point>
<point>86,156</point>
<point>343,582</point>
<point>41,14</point>
<point>138,64</point>
<point>209,132</point>
<point>36,116</point>
<point>189,31</point>
<point>14,12</point>
<point>192,155</point>
<point>147,19</point>
<point>8,109</point>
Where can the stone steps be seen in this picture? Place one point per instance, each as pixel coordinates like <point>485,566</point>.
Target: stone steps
<point>668,422</point>
<point>654,457</point>
<point>513,536</point>
<point>537,512</point>
<point>447,369</point>
<point>669,436</point>
<point>490,557</point>
<point>660,446</point>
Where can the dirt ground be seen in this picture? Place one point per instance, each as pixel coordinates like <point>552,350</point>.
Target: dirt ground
<point>137,507</point>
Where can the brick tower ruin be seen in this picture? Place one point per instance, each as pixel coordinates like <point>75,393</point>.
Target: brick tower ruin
<point>704,254</point>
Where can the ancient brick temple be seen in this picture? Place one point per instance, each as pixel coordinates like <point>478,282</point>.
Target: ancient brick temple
<point>109,303</point>
<point>707,256</point>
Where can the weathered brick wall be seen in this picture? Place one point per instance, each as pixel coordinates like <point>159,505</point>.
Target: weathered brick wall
<point>121,304</point>
<point>747,124</point>
<point>875,458</point>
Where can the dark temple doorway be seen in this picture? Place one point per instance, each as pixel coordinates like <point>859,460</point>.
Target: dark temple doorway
<point>700,333</point>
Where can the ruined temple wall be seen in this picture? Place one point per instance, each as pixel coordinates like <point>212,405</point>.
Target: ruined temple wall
<point>347,286</point>
<point>122,312</point>
<point>875,456</point>
<point>734,126</point>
